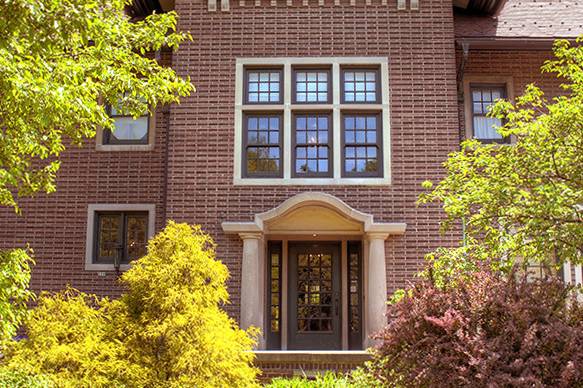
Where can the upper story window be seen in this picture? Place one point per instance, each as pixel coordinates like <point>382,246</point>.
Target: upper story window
<point>360,85</point>
<point>312,86</point>
<point>263,86</point>
<point>263,144</point>
<point>127,130</point>
<point>484,128</point>
<point>480,93</point>
<point>312,121</point>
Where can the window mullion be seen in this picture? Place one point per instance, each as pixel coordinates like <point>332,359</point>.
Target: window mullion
<point>287,124</point>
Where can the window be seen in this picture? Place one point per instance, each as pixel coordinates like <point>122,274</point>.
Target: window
<point>361,143</point>
<point>312,86</point>
<point>360,86</point>
<point>263,86</point>
<point>127,130</point>
<point>299,121</point>
<point>117,234</point>
<point>484,127</point>
<point>263,145</point>
<point>120,237</point>
<point>312,148</point>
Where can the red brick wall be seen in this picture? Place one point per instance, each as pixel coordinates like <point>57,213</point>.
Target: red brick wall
<point>424,127</point>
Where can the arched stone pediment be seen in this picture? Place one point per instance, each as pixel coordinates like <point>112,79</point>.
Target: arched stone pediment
<point>313,212</point>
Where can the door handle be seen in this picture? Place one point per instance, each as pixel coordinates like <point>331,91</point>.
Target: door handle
<point>336,303</point>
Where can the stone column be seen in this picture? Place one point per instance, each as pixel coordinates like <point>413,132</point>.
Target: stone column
<point>376,287</point>
<point>253,284</point>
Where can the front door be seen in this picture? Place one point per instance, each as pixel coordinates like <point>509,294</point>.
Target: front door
<point>314,296</point>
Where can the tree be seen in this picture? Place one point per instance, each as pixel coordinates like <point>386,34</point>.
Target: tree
<point>489,330</point>
<point>522,201</point>
<point>14,292</point>
<point>61,62</point>
<point>167,330</point>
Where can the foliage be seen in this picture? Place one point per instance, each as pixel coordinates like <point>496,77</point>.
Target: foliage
<point>14,292</point>
<point>70,339</point>
<point>328,380</point>
<point>167,330</point>
<point>18,379</point>
<point>524,199</point>
<point>60,62</point>
<point>487,330</point>
<point>173,321</point>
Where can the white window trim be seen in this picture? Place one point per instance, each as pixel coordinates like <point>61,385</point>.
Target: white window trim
<point>99,146</point>
<point>92,209</point>
<point>336,107</point>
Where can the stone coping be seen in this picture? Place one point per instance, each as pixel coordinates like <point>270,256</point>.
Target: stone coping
<point>312,356</point>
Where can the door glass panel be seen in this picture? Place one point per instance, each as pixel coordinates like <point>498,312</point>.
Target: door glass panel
<point>314,301</point>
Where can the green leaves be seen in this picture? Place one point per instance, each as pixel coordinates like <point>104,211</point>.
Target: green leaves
<point>14,293</point>
<point>60,62</point>
<point>522,200</point>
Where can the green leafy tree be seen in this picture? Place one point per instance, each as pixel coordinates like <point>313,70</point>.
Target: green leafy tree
<point>521,201</point>
<point>14,292</point>
<point>60,63</point>
<point>167,330</point>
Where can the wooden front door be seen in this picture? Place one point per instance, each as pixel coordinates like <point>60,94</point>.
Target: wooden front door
<point>314,296</point>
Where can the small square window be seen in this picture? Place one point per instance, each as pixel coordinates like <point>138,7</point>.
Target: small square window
<point>360,86</point>
<point>263,86</point>
<point>484,128</point>
<point>362,145</point>
<point>312,86</point>
<point>127,130</point>
<point>120,237</point>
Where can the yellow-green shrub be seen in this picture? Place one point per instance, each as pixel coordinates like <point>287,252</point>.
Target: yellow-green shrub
<point>167,330</point>
<point>174,325</point>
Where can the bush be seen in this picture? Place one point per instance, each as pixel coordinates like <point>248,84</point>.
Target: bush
<point>18,379</point>
<point>356,379</point>
<point>488,330</point>
<point>167,330</point>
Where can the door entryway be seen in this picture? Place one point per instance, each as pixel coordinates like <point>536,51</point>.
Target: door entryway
<point>315,308</point>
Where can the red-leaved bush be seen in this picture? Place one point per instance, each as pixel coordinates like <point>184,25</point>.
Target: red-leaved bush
<point>488,331</point>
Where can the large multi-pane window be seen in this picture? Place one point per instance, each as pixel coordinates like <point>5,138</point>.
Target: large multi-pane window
<point>120,237</point>
<point>263,145</point>
<point>484,128</point>
<point>312,149</point>
<point>311,123</point>
<point>361,143</point>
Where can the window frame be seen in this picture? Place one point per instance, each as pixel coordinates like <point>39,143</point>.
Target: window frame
<point>107,135</point>
<point>504,94</point>
<point>92,231</point>
<point>378,84</point>
<point>378,144</point>
<point>482,79</point>
<point>288,106</point>
<point>246,144</point>
<point>250,69</point>
<point>329,144</point>
<point>122,234</point>
<point>300,68</point>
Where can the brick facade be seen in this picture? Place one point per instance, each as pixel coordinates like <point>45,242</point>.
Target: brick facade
<point>189,174</point>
